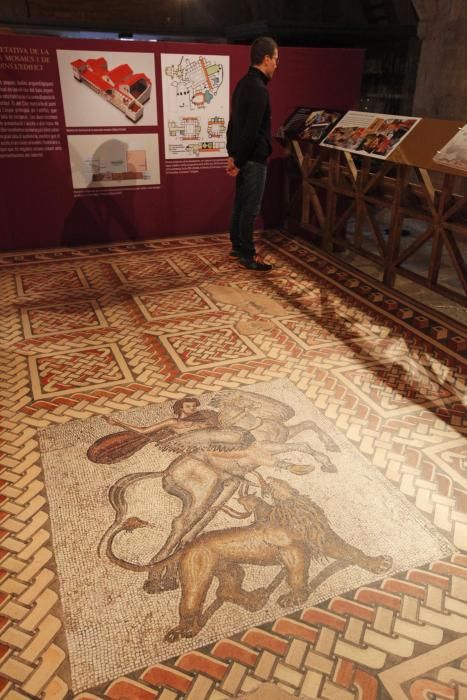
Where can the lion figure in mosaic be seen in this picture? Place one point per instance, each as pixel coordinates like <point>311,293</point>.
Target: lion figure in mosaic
<point>288,531</point>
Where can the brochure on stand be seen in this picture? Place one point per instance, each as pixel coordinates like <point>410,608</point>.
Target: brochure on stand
<point>454,153</point>
<point>309,124</point>
<point>369,133</point>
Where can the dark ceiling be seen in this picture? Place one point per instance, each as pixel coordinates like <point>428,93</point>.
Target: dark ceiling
<point>317,22</point>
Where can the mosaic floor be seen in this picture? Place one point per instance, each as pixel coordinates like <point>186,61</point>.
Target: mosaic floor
<point>217,483</point>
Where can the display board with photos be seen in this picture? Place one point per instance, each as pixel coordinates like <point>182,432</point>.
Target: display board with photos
<point>370,133</point>
<point>309,124</point>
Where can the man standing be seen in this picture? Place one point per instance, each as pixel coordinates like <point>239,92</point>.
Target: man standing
<point>249,146</point>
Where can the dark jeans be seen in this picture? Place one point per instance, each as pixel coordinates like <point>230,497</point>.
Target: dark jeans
<point>249,190</point>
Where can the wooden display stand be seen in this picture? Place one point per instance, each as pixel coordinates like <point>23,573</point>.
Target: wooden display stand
<point>343,197</point>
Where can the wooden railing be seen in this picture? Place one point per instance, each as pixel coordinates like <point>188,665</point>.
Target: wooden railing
<point>360,203</point>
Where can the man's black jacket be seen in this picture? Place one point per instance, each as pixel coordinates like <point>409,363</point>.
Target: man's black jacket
<point>249,130</point>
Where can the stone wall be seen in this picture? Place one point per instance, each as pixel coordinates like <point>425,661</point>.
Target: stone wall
<point>441,89</point>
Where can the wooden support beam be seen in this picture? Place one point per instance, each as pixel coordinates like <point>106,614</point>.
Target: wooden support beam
<point>457,259</point>
<point>351,165</point>
<point>438,237</point>
<point>335,186</point>
<point>393,244</point>
<point>427,182</point>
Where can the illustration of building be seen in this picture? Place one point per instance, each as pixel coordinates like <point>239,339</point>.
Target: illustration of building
<point>197,81</point>
<point>216,127</point>
<point>206,148</point>
<point>120,86</point>
<point>116,162</point>
<point>188,128</point>
<point>129,164</point>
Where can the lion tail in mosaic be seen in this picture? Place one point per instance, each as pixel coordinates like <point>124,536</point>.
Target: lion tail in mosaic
<point>119,503</point>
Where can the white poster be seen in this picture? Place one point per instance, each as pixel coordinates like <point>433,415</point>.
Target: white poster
<point>115,161</point>
<point>195,91</point>
<point>107,88</point>
<point>369,133</point>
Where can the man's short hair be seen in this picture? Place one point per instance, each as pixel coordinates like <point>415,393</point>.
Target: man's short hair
<point>261,47</point>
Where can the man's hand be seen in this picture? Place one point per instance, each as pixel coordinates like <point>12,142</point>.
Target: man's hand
<point>231,168</point>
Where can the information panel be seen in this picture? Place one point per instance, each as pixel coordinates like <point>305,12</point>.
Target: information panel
<point>369,133</point>
<point>195,92</point>
<point>106,141</point>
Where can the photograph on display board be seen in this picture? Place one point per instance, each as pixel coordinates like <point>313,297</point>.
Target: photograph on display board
<point>195,91</point>
<point>454,153</point>
<point>309,124</point>
<point>370,134</point>
<point>110,88</point>
<point>121,160</point>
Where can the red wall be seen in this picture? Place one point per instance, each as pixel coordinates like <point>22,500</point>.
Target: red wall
<point>37,204</point>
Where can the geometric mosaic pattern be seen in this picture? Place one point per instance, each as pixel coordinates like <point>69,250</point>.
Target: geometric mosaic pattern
<point>58,278</point>
<point>173,303</point>
<point>209,349</point>
<point>91,331</point>
<point>81,369</point>
<point>65,317</point>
